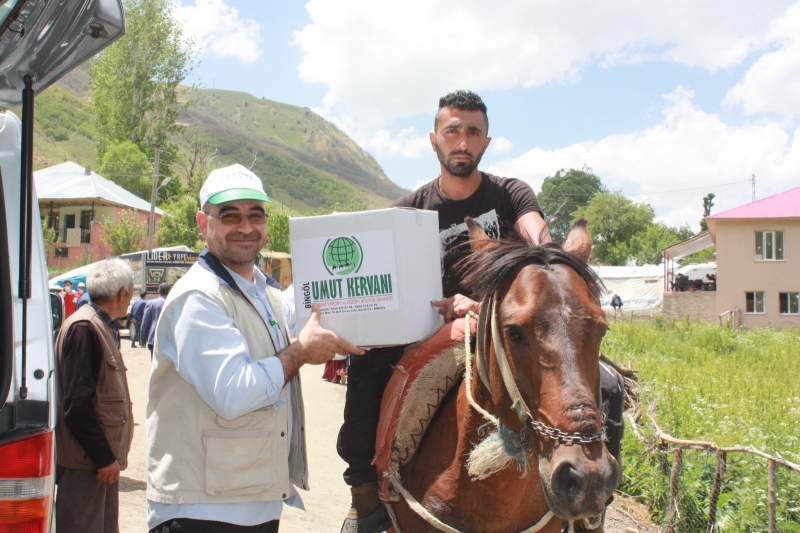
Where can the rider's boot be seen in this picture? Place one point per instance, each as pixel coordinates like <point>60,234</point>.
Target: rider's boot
<point>367,514</point>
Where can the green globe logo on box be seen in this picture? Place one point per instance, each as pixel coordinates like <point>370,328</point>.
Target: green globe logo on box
<point>342,256</point>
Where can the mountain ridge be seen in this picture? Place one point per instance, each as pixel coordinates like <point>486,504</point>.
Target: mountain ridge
<point>306,162</point>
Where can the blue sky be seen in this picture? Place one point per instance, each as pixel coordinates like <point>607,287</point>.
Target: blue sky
<point>666,102</point>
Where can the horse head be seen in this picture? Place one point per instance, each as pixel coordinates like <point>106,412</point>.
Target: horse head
<point>538,368</point>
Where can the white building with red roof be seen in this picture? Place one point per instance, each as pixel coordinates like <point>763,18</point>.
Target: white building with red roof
<point>758,261</point>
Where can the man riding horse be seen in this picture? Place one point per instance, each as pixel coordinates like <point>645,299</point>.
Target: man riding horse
<point>501,206</point>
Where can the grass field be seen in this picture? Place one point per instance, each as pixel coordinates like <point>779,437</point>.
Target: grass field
<point>707,382</point>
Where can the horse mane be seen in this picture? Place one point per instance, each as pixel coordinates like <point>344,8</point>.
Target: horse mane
<point>491,268</point>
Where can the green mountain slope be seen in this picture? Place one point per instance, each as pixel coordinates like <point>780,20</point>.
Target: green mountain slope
<point>305,161</point>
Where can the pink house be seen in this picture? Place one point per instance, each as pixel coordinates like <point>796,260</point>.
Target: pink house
<point>76,201</point>
<point>758,261</point>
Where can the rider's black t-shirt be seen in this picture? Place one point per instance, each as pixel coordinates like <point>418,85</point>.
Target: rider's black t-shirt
<point>496,206</point>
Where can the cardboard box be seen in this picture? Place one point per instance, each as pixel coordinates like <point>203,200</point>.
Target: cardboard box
<point>374,273</point>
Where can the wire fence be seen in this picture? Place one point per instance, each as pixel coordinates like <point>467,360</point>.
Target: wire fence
<point>710,488</point>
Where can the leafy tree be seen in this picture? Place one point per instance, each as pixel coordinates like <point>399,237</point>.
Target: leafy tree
<point>708,203</point>
<point>178,225</point>
<point>197,163</point>
<point>613,221</point>
<point>126,235</point>
<point>50,235</point>
<point>278,228</point>
<point>127,166</point>
<point>645,246</point>
<point>135,82</point>
<point>573,189</point>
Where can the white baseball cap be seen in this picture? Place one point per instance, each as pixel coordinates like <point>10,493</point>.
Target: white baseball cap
<point>232,183</point>
<point>81,284</point>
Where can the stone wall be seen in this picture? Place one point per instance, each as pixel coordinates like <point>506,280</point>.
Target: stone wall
<point>693,305</point>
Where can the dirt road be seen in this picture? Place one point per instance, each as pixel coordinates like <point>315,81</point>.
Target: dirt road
<point>329,498</point>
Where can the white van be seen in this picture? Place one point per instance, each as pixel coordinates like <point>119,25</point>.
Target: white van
<point>40,41</point>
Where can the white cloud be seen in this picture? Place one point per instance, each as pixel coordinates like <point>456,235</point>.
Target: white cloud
<point>380,141</point>
<point>772,84</point>
<point>501,145</point>
<point>219,29</point>
<point>392,58</point>
<point>688,151</point>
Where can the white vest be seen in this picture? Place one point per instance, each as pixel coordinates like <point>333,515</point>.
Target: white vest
<point>196,456</point>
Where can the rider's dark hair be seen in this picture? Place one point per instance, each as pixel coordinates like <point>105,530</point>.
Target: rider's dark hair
<point>463,100</point>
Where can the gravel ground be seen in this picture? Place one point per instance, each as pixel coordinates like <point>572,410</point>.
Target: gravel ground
<point>329,498</point>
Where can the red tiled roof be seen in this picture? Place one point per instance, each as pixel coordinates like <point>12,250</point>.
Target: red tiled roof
<point>781,205</point>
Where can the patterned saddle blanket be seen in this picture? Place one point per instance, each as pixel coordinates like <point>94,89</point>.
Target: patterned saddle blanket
<point>422,378</point>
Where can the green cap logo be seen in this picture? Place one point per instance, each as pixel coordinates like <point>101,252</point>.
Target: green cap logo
<point>342,256</point>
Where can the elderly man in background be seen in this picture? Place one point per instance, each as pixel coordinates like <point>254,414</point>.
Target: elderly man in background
<point>225,418</point>
<point>95,420</point>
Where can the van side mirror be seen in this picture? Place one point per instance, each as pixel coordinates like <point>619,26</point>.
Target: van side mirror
<point>57,310</point>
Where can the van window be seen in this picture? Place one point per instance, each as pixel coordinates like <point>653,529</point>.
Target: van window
<point>7,9</point>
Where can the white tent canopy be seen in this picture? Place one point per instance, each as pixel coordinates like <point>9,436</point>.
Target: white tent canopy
<point>70,182</point>
<point>690,246</point>
<point>640,287</point>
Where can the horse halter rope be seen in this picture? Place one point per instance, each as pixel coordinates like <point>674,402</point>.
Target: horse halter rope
<point>488,317</point>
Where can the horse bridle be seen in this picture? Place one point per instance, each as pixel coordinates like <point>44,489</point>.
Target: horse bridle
<point>488,317</point>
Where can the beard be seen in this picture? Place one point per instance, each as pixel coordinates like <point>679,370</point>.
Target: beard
<point>226,249</point>
<point>462,169</point>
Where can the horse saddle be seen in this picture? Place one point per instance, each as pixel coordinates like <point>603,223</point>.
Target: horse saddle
<point>422,378</point>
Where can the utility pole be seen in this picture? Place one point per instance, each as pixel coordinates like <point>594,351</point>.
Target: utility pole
<point>153,193</point>
<point>753,183</point>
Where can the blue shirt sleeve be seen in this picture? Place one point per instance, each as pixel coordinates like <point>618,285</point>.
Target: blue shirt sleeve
<point>144,330</point>
<point>212,355</point>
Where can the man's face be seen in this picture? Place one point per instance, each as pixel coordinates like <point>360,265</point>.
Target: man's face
<point>460,140</point>
<point>233,244</point>
<point>80,289</point>
<point>68,288</point>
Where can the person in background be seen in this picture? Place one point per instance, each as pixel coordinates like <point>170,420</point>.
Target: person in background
<point>136,317</point>
<point>84,298</point>
<point>152,311</point>
<point>95,418</point>
<point>70,299</point>
<point>616,302</point>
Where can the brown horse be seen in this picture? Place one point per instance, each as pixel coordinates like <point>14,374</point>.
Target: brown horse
<point>470,474</point>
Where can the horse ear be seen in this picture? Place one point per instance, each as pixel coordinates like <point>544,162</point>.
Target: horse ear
<point>578,242</point>
<point>477,237</point>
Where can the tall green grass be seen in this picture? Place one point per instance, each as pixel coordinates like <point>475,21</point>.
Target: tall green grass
<point>710,383</point>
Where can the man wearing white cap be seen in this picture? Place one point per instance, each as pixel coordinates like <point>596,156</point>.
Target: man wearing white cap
<point>225,422</point>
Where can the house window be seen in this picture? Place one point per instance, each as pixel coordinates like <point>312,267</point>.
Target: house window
<point>61,251</point>
<point>789,303</point>
<point>755,302</point>
<point>769,246</point>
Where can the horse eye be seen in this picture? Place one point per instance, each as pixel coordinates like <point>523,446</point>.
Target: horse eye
<point>513,334</point>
